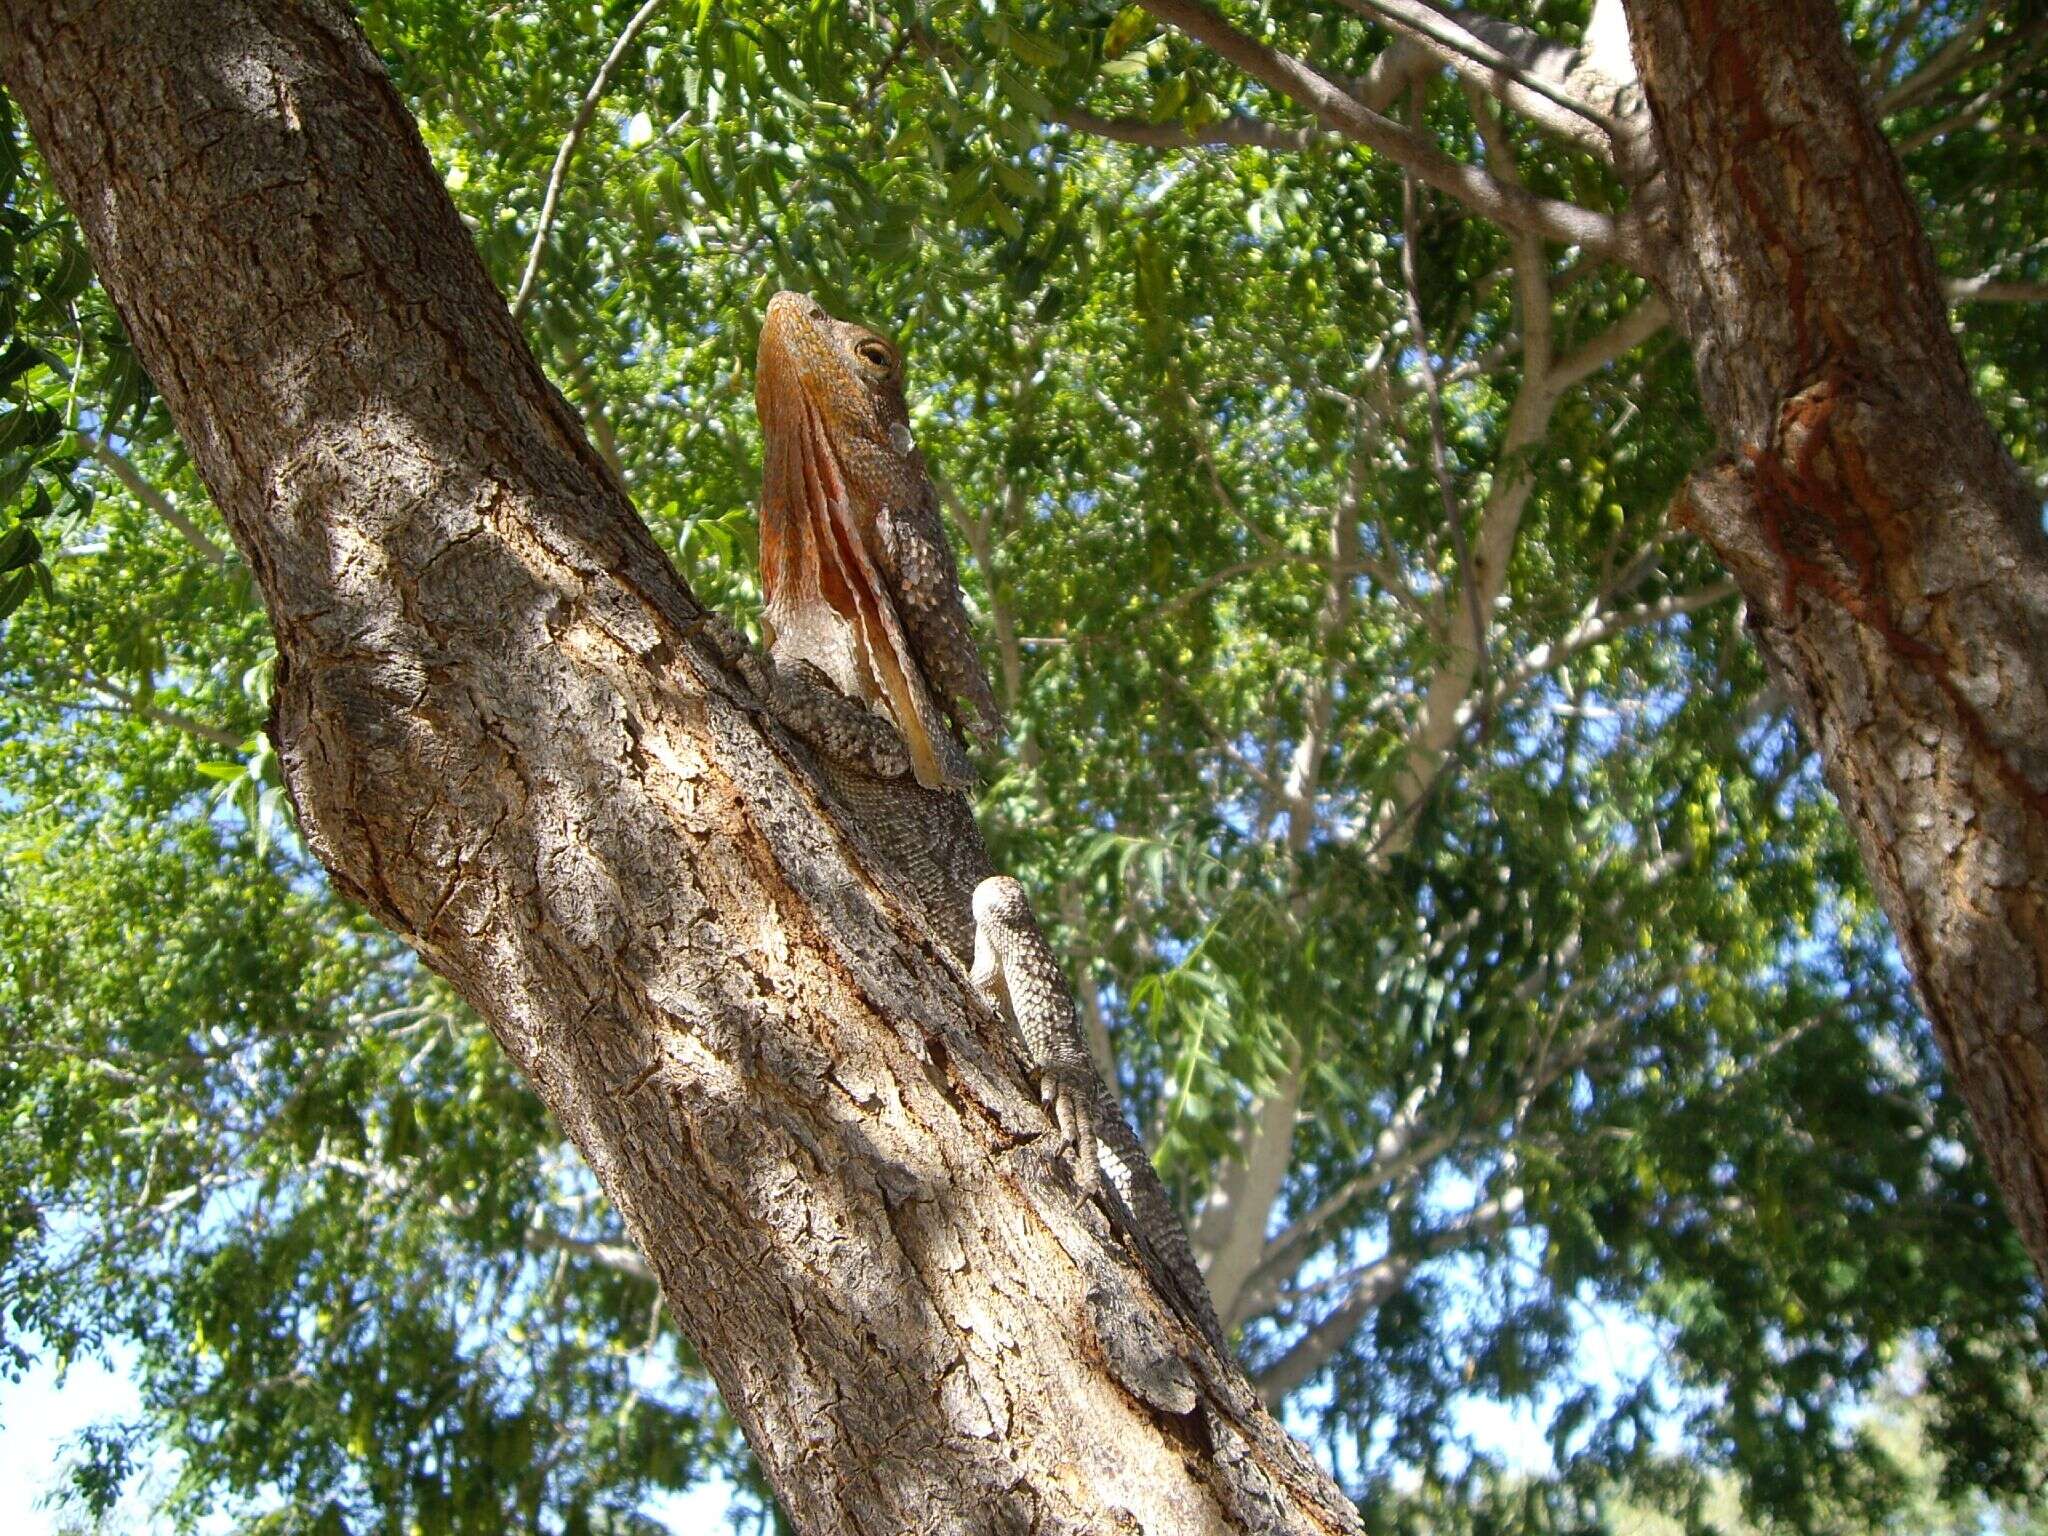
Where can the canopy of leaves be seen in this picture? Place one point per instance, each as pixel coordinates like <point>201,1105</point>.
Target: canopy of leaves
<point>1477,998</point>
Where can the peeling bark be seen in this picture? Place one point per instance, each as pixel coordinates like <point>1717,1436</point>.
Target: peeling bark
<point>504,737</point>
<point>1891,556</point>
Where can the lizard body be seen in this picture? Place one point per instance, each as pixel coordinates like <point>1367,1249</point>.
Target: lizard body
<point>869,645</point>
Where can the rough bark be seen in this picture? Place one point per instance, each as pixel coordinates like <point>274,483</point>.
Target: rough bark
<point>504,736</point>
<point>1890,554</point>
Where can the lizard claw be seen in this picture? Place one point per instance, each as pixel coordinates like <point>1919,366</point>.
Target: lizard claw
<point>753,668</point>
<point>1067,1100</point>
<point>723,634</point>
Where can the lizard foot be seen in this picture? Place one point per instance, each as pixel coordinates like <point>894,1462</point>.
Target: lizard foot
<point>805,702</point>
<point>1069,1097</point>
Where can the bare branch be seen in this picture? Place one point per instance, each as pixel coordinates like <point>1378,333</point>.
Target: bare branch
<point>1515,207</point>
<point>155,500</point>
<point>1445,699</point>
<point>134,704</point>
<point>1398,66</point>
<point>1616,342</point>
<point>1943,65</point>
<point>1226,133</point>
<point>1087,990</point>
<point>1333,617</point>
<point>1372,1285</point>
<point>1445,39</point>
<point>1971,112</point>
<point>1231,1230</point>
<point>1987,290</point>
<point>560,173</point>
<point>590,401</point>
<point>1439,451</point>
<point>1407,1146</point>
<point>981,547</point>
<point>1596,628</point>
<point>1219,738</point>
<point>621,1257</point>
<point>1888,56</point>
<point>1399,1153</point>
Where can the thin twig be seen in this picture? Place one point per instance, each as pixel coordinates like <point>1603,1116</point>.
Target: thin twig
<point>1301,82</point>
<point>1941,66</point>
<point>135,705</point>
<point>1979,290</point>
<point>154,500</point>
<point>556,177</point>
<point>1439,452</point>
<point>1475,59</point>
<point>1235,132</point>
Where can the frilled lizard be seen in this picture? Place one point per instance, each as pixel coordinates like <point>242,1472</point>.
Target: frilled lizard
<point>872,664</point>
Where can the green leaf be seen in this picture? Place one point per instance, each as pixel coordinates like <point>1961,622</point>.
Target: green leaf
<point>1035,50</point>
<point>20,357</point>
<point>18,546</point>
<point>1033,102</point>
<point>27,428</point>
<point>15,586</point>
<point>68,278</point>
<point>1129,24</point>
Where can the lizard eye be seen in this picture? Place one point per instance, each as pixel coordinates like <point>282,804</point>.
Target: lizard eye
<point>876,354</point>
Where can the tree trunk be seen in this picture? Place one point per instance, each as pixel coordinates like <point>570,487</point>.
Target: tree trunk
<point>1891,556</point>
<point>505,737</point>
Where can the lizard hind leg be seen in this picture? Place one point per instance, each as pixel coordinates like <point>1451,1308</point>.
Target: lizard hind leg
<point>1016,970</point>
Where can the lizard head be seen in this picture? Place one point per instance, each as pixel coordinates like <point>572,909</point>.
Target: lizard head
<point>853,378</point>
<point>837,451</point>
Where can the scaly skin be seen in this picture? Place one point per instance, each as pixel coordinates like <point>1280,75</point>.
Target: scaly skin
<point>869,631</point>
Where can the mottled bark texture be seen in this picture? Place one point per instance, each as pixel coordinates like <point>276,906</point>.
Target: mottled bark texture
<point>505,737</point>
<point>1890,554</point>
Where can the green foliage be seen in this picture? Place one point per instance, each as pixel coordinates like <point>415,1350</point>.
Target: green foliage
<point>1603,958</point>
<point>43,276</point>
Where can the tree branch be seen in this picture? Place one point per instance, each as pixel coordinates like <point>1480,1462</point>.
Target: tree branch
<point>1445,699</point>
<point>1226,133</point>
<point>1616,342</point>
<point>506,727</point>
<point>1888,55</point>
<point>1596,627</point>
<point>623,1258</point>
<point>1988,290</point>
<point>1400,1150</point>
<point>587,110</point>
<point>134,704</point>
<point>1219,738</point>
<point>154,500</point>
<point>1372,1285</point>
<point>1972,111</point>
<point>1439,451</point>
<point>1446,40</point>
<point>1232,1227</point>
<point>1941,66</point>
<point>1300,82</point>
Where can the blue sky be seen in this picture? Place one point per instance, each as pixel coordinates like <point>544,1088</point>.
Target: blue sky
<point>40,1415</point>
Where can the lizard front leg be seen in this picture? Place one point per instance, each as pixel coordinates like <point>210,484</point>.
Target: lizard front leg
<point>807,704</point>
